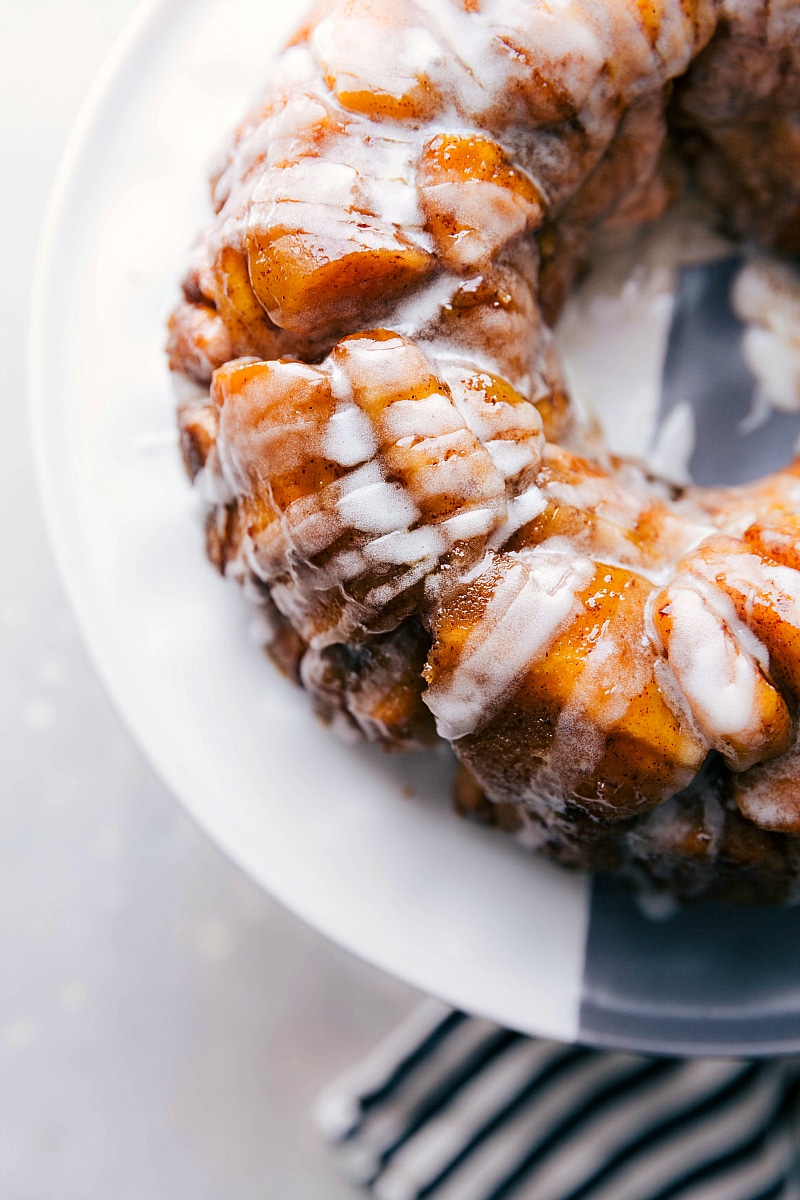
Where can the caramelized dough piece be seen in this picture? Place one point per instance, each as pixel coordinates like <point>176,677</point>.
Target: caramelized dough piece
<point>375,688</point>
<point>198,341</point>
<point>524,678</point>
<point>498,309</point>
<point>769,794</point>
<point>778,539</point>
<point>773,500</point>
<point>606,516</point>
<point>730,626</point>
<point>317,282</point>
<point>698,844</point>
<point>721,682</point>
<point>355,479</point>
<point>470,800</point>
<point>225,533</point>
<point>197,426</point>
<point>508,425</point>
<point>385,86</point>
<point>250,329</point>
<point>474,200</point>
<point>765,596</point>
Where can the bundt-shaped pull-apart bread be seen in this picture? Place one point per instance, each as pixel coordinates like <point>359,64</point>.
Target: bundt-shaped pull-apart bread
<point>369,391</point>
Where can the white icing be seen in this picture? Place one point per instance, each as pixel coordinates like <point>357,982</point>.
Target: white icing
<point>469,524</point>
<point>533,599</point>
<point>295,65</point>
<point>605,496</point>
<point>315,181</point>
<point>349,564</point>
<point>512,457</point>
<point>310,530</point>
<point>454,467</point>
<point>346,48</point>
<point>749,574</point>
<point>522,509</point>
<point>723,608</point>
<point>407,547</point>
<point>430,417</point>
<point>386,592</point>
<point>717,679</point>
<point>422,308</point>
<point>490,419</point>
<point>767,809</point>
<point>349,437</point>
<point>375,507</point>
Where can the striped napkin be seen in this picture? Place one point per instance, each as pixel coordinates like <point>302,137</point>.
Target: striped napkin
<point>454,1107</point>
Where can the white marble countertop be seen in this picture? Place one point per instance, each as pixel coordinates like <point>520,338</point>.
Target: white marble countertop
<point>164,1025</point>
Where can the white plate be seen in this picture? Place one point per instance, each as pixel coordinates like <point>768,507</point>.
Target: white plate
<point>361,845</point>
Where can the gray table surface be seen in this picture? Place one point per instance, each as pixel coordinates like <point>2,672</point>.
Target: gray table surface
<point>164,1025</point>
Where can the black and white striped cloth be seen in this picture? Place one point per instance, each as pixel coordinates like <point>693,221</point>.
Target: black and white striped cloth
<point>454,1107</point>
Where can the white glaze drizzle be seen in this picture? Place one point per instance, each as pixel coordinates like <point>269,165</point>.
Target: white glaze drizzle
<point>534,597</point>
